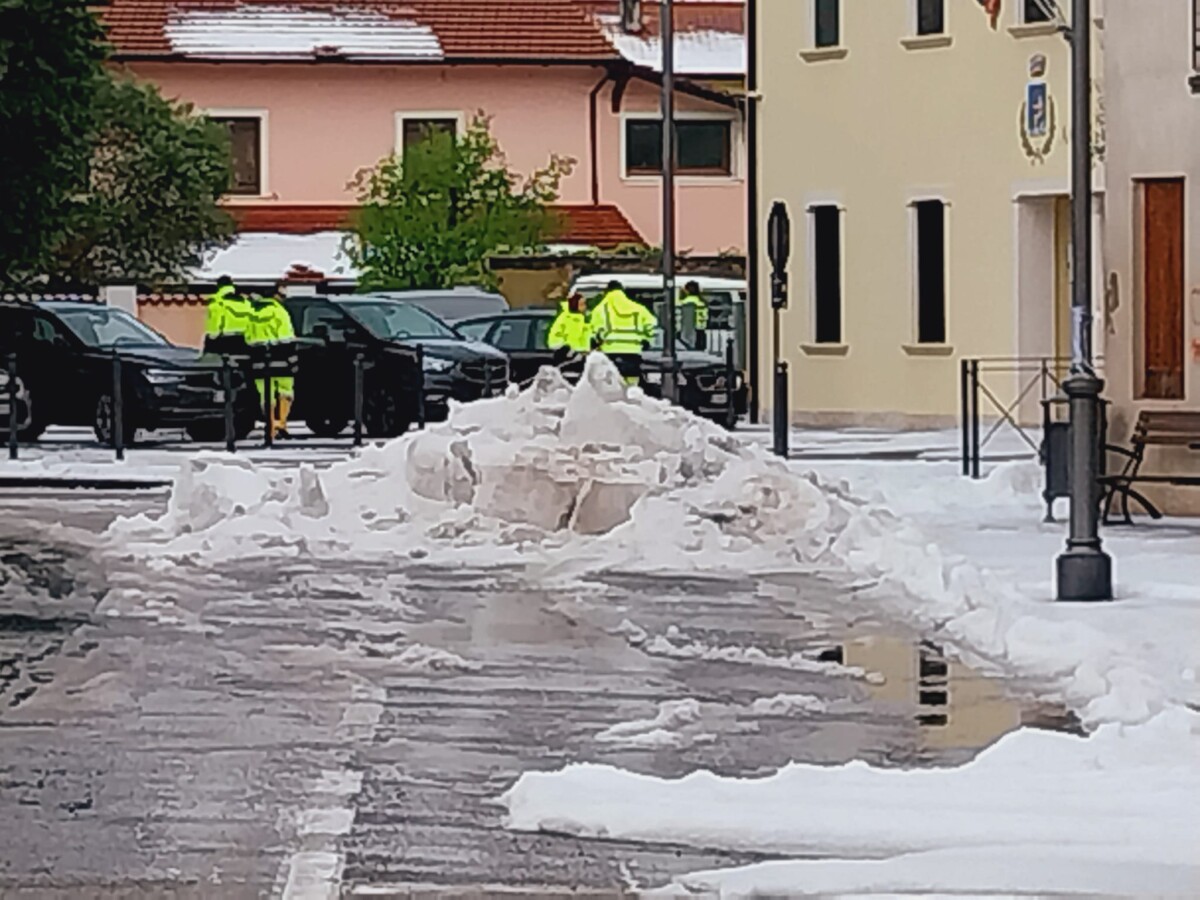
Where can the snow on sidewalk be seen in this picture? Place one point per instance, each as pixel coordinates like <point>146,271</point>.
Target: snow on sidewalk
<point>1054,802</point>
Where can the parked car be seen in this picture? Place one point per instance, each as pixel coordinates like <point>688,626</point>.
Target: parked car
<point>522,335</point>
<point>65,355</point>
<point>23,413</point>
<point>451,305</point>
<point>725,298</point>
<point>334,330</point>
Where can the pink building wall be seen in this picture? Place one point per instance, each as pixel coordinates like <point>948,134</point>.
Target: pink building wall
<point>325,122</point>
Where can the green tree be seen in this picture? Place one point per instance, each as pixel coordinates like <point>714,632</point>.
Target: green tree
<point>149,210</point>
<point>51,66</point>
<point>431,217</point>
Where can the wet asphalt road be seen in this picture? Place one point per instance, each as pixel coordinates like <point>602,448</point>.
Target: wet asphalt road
<point>303,728</point>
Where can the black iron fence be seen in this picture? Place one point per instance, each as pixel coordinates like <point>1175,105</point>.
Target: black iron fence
<point>1001,389</point>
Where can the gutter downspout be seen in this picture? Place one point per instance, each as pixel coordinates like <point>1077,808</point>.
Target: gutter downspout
<point>753,252</point>
<point>594,136</point>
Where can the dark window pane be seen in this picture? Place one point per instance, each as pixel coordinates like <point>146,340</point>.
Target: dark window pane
<point>643,146</point>
<point>704,147</point>
<point>931,16</point>
<point>511,334</point>
<point>827,274</point>
<point>333,320</point>
<point>1037,11</point>
<point>828,26</point>
<point>245,141</point>
<point>701,147</point>
<point>931,272</point>
<point>417,130</point>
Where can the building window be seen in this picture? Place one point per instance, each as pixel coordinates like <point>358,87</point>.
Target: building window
<point>931,16</point>
<point>827,23</point>
<point>245,141</point>
<point>931,271</point>
<point>1034,11</point>
<point>826,223</point>
<point>702,147</point>
<point>414,129</point>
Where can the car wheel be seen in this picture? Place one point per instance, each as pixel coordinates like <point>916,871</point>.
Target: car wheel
<point>103,422</point>
<point>381,416</point>
<point>326,426</point>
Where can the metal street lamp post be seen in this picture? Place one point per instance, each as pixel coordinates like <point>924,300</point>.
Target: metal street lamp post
<point>1084,570</point>
<point>667,36</point>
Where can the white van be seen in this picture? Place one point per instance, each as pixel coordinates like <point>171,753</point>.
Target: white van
<point>726,299</point>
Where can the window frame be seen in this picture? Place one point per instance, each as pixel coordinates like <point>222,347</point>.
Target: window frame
<point>1022,9</point>
<point>264,147</point>
<point>813,281</point>
<point>814,36</point>
<point>914,237</point>
<point>915,9</point>
<point>736,159</point>
<point>407,115</point>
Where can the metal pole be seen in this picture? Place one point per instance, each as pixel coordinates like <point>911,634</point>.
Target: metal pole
<point>730,385</point>
<point>667,18</point>
<point>13,419</point>
<point>420,386</point>
<point>779,399</point>
<point>358,399</point>
<point>1084,569</point>
<point>227,391</point>
<point>964,395</point>
<point>268,400</point>
<point>976,449</point>
<point>118,422</point>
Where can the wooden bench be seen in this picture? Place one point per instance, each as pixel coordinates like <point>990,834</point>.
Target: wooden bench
<point>1161,428</point>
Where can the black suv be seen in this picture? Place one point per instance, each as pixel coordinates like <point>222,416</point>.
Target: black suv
<point>333,330</point>
<point>65,360</point>
<point>705,385</point>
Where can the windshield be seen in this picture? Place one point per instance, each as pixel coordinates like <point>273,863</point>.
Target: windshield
<point>106,327</point>
<point>388,319</point>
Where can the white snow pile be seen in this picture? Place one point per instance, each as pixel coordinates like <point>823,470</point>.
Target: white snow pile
<point>568,480</point>
<point>531,469</point>
<point>1035,811</point>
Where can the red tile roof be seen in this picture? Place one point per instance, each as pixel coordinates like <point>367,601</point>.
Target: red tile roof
<point>603,225</point>
<point>708,15</point>
<point>464,29</point>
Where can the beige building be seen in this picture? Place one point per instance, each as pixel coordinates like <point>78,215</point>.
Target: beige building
<point>922,151</point>
<point>1152,233</point>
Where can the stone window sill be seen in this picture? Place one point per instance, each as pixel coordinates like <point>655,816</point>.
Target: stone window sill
<point>825,349</point>
<point>823,54</point>
<point>927,42</point>
<point>1034,30</point>
<point>929,349</point>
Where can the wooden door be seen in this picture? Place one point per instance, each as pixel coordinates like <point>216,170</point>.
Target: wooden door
<point>1162,296</point>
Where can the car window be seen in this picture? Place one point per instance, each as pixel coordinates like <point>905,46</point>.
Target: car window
<point>451,308</point>
<point>511,334</point>
<point>333,319</point>
<point>45,333</point>
<point>390,319</point>
<point>99,327</point>
<point>475,331</point>
<point>541,332</point>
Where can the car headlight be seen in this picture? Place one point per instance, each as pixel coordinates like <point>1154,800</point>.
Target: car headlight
<point>163,376</point>
<point>437,364</point>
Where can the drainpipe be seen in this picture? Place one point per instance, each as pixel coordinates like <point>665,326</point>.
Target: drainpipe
<point>753,250</point>
<point>593,134</point>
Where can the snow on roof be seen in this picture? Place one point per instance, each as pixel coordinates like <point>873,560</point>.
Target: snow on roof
<point>269,256</point>
<point>287,32</point>
<point>697,52</point>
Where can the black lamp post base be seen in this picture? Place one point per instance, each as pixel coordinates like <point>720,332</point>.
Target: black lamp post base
<point>1085,575</point>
